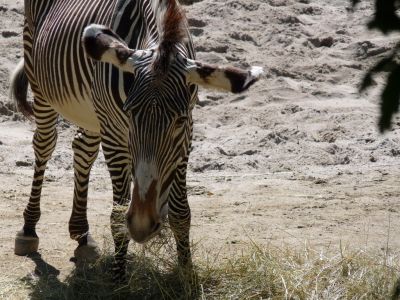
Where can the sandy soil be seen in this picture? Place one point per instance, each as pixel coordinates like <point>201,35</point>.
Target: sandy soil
<point>296,159</point>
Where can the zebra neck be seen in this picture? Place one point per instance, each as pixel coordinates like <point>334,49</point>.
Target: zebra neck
<point>134,21</point>
<point>34,10</point>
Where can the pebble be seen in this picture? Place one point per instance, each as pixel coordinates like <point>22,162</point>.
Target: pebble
<point>8,34</point>
<point>21,163</point>
<point>322,41</point>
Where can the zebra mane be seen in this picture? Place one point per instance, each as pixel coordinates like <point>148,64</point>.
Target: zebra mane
<point>171,26</point>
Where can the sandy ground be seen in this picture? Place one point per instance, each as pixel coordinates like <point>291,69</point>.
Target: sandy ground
<point>296,160</point>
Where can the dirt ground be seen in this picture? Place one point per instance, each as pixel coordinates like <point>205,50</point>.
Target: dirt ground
<point>297,160</point>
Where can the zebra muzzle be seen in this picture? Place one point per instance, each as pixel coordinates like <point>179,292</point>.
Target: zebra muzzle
<point>143,219</point>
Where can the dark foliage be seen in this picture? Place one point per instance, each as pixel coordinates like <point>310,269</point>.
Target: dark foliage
<point>386,20</point>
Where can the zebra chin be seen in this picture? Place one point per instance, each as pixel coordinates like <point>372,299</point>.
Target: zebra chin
<point>142,228</point>
<point>142,237</point>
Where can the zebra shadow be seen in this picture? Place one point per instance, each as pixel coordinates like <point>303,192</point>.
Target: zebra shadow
<point>94,281</point>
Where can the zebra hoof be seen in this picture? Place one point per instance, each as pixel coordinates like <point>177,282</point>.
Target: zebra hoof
<point>88,252</point>
<point>119,275</point>
<point>25,245</point>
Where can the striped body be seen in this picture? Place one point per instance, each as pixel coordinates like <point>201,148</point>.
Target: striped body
<point>66,81</point>
<point>124,72</point>
<point>62,75</point>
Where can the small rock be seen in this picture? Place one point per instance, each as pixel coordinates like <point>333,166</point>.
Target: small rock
<point>242,37</point>
<point>17,117</point>
<point>332,149</point>
<point>322,42</point>
<point>209,166</point>
<point>223,152</point>
<point>238,99</point>
<point>196,31</point>
<point>277,3</point>
<point>249,152</point>
<point>214,98</point>
<point>310,10</point>
<point>197,190</point>
<point>367,48</point>
<point>220,48</point>
<point>290,20</point>
<point>345,160</point>
<point>4,110</point>
<point>341,31</point>
<point>196,23</point>
<point>395,152</point>
<point>18,11</point>
<point>377,51</point>
<point>203,103</point>
<point>21,163</point>
<point>7,34</point>
<point>372,159</point>
<point>320,181</point>
<point>243,5</point>
<point>329,137</point>
<point>369,140</point>
<point>277,137</point>
<point>291,109</point>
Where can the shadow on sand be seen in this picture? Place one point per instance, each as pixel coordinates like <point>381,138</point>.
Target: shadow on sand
<point>94,281</point>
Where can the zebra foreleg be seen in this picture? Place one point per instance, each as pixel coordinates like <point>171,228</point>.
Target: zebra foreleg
<point>86,147</point>
<point>180,225</point>
<point>119,165</point>
<point>44,143</point>
<point>179,218</point>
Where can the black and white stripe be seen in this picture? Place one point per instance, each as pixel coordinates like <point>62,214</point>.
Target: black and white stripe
<point>130,83</point>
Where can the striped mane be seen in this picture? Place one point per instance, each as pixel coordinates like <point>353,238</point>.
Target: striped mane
<point>171,26</point>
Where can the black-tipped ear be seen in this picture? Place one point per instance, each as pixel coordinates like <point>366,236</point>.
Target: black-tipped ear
<point>102,44</point>
<point>241,80</point>
<point>230,79</point>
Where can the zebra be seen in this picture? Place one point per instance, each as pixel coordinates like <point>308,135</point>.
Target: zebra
<point>124,72</point>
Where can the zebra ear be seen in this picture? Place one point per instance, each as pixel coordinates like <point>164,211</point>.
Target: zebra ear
<point>103,44</point>
<point>229,79</point>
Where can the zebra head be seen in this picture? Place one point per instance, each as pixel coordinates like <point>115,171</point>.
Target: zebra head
<point>159,106</point>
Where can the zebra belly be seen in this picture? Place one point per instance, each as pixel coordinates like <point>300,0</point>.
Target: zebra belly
<point>80,113</point>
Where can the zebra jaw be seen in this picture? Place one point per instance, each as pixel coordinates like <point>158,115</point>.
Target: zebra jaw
<point>102,44</point>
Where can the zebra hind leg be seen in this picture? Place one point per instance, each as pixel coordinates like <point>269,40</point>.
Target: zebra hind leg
<point>86,148</point>
<point>44,142</point>
<point>119,165</point>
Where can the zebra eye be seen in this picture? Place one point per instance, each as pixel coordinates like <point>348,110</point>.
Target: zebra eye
<point>180,121</point>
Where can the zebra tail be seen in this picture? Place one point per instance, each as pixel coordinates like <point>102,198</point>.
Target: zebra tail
<point>19,90</point>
